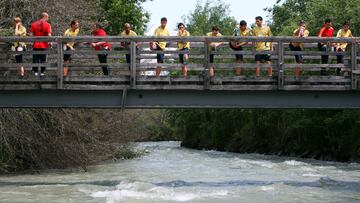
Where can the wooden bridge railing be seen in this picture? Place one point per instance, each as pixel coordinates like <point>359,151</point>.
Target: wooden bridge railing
<point>139,73</point>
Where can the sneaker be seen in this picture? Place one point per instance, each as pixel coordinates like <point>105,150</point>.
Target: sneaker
<point>42,74</point>
<point>36,73</point>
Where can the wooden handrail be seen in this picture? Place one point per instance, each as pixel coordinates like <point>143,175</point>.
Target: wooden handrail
<point>283,62</point>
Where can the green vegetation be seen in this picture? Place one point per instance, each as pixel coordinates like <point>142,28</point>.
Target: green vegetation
<point>118,12</point>
<point>287,14</point>
<point>320,134</point>
<point>212,13</point>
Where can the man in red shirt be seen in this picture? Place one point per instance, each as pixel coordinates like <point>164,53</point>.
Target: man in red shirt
<point>100,32</point>
<point>40,28</point>
<point>326,31</point>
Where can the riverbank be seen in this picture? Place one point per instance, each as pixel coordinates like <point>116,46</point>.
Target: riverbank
<point>37,139</point>
<point>319,134</point>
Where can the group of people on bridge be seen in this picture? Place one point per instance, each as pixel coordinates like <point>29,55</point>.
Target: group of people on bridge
<point>43,28</point>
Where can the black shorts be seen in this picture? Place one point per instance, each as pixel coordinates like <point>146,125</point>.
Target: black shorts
<point>181,56</point>
<point>238,56</point>
<point>298,57</point>
<point>159,57</point>
<point>67,57</point>
<point>263,57</point>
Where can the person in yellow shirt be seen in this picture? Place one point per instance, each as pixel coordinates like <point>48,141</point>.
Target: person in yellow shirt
<point>19,31</point>
<point>215,32</point>
<point>73,31</point>
<point>341,47</point>
<point>301,31</point>
<point>127,33</point>
<point>261,30</point>
<point>183,46</point>
<point>241,31</point>
<point>161,31</point>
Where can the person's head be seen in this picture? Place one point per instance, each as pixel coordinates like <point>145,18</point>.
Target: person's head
<point>44,16</point>
<point>259,21</point>
<point>163,22</point>
<point>74,25</point>
<point>97,26</point>
<point>328,23</point>
<point>302,24</point>
<point>181,26</point>
<point>16,21</point>
<point>215,30</point>
<point>243,25</point>
<point>127,28</point>
<point>346,26</point>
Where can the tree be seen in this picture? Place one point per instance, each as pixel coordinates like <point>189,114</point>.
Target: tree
<point>287,14</point>
<point>118,12</point>
<point>212,13</point>
<point>61,13</point>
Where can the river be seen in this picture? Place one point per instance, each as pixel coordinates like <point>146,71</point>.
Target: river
<point>169,173</point>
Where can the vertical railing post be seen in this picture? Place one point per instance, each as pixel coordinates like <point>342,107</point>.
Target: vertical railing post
<point>206,65</point>
<point>354,64</point>
<point>133,64</point>
<point>280,53</point>
<point>60,62</point>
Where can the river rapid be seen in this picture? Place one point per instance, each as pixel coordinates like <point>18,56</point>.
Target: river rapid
<point>169,173</point>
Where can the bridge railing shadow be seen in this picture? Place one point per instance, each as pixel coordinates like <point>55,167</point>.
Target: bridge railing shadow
<point>139,72</point>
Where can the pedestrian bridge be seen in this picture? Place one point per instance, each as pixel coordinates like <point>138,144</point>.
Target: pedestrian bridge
<point>135,86</point>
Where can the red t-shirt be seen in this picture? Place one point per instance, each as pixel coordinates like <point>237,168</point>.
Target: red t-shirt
<point>41,28</point>
<point>100,33</point>
<point>325,32</point>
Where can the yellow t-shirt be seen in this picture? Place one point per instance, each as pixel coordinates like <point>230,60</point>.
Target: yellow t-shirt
<point>131,34</point>
<point>242,33</point>
<point>210,34</point>
<point>263,31</point>
<point>342,33</point>
<point>22,33</point>
<point>70,33</point>
<point>295,34</point>
<point>159,32</point>
<point>183,45</point>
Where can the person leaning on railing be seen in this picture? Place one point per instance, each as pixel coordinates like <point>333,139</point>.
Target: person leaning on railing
<point>40,28</point>
<point>19,31</point>
<point>326,31</point>
<point>161,31</point>
<point>341,47</point>
<point>242,31</point>
<point>73,31</point>
<point>98,31</point>
<point>183,46</point>
<point>261,30</point>
<point>301,31</point>
<point>215,32</point>
<point>126,45</point>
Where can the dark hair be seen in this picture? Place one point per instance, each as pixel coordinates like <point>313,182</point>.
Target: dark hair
<point>98,25</point>
<point>346,23</point>
<point>259,18</point>
<point>73,22</point>
<point>328,20</point>
<point>243,22</point>
<point>180,24</point>
<point>163,19</point>
<point>302,22</point>
<point>215,28</point>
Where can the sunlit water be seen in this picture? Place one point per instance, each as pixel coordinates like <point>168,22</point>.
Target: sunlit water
<point>169,173</point>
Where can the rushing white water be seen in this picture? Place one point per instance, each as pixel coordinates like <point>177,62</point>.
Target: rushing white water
<point>169,173</point>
